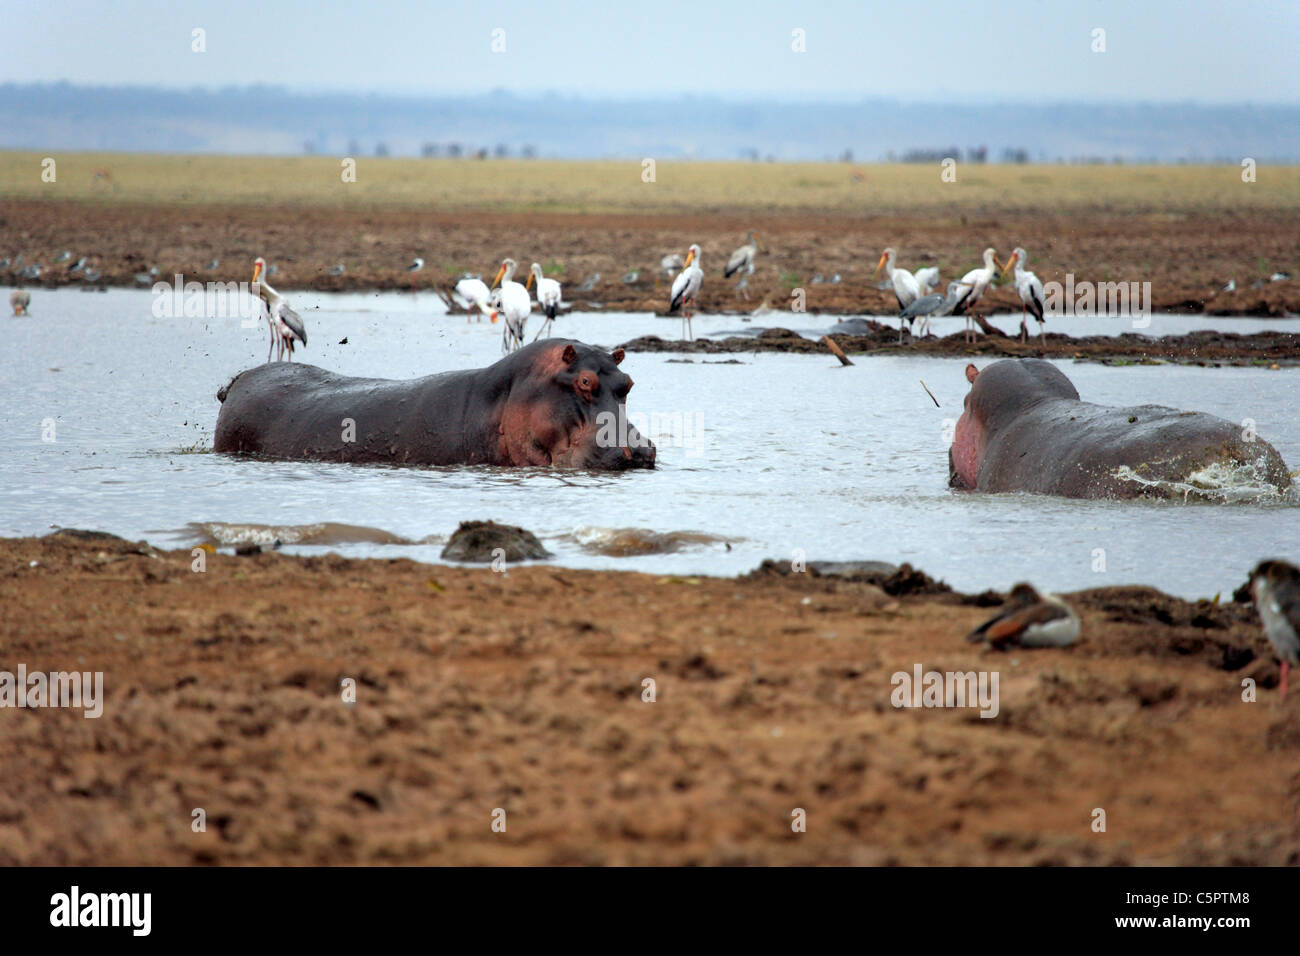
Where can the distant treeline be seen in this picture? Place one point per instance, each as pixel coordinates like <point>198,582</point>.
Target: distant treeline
<point>271,120</point>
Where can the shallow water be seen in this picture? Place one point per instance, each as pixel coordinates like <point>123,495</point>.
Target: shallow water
<point>785,452</point>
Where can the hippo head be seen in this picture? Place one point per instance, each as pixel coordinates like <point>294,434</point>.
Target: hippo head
<point>998,394</point>
<point>567,408</point>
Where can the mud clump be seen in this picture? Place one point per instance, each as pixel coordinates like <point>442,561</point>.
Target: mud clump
<point>482,542</point>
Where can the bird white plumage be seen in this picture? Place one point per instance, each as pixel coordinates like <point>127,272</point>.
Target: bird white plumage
<point>515,306</point>
<point>685,287</point>
<point>549,297</point>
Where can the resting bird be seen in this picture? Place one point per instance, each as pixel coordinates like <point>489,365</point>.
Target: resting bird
<point>1029,619</point>
<point>474,292</point>
<point>1031,293</point>
<point>670,265</point>
<point>548,297</point>
<point>927,279</point>
<point>19,300</point>
<point>286,325</point>
<point>685,287</point>
<point>1275,585</point>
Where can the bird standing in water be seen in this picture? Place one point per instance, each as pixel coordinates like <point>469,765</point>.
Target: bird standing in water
<point>549,297</point>
<point>286,325</point>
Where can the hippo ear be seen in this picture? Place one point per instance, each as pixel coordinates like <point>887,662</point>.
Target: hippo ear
<point>617,356</point>
<point>971,373</point>
<point>569,355</point>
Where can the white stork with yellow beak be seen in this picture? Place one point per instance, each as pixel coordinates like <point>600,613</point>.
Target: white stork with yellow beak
<point>1031,293</point>
<point>974,284</point>
<point>286,325</point>
<point>685,287</point>
<point>549,297</point>
<point>515,306</point>
<point>906,289</point>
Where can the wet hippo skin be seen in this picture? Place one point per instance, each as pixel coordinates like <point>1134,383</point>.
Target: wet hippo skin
<point>1024,428</point>
<point>546,404</point>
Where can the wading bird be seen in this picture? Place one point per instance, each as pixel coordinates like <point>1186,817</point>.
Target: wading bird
<point>19,300</point>
<point>548,297</point>
<point>931,306</point>
<point>1275,585</point>
<point>286,325</point>
<point>1029,619</point>
<point>743,258</point>
<point>515,306</point>
<point>974,285</point>
<point>416,265</point>
<point>685,287</point>
<point>906,290</point>
<point>1031,293</point>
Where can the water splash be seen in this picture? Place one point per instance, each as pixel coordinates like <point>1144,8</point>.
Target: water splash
<point>233,534</point>
<point>1224,482</point>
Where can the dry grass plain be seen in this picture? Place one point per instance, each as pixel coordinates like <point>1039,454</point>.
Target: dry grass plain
<point>617,186</point>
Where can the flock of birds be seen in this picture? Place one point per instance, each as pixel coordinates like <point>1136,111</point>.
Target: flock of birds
<point>912,289</point>
<point>1031,619</point>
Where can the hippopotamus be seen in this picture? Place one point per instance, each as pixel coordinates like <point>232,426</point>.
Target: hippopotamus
<point>1024,428</point>
<point>556,402</point>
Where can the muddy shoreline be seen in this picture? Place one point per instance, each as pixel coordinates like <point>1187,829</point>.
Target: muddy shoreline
<point>1209,348</point>
<point>523,691</point>
<point>1186,259</point>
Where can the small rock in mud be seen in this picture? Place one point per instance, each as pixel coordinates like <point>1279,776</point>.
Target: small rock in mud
<point>894,580</point>
<point>477,541</point>
<point>83,535</point>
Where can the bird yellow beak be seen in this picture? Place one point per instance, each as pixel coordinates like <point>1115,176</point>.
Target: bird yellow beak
<point>500,273</point>
<point>880,265</point>
<point>1010,263</point>
<point>762,246</point>
<point>257,270</point>
<point>529,283</point>
<point>690,257</point>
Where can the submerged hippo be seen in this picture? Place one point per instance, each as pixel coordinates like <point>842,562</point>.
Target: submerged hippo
<point>552,403</point>
<point>1025,429</point>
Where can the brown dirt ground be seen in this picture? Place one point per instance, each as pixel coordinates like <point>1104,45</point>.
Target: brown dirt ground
<point>478,690</point>
<point>1186,258</point>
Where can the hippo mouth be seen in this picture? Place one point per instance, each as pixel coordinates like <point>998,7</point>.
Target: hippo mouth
<point>589,448</point>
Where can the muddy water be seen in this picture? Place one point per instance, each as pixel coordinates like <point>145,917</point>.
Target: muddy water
<point>774,455</point>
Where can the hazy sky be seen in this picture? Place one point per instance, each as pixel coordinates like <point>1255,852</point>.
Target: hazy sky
<point>1029,50</point>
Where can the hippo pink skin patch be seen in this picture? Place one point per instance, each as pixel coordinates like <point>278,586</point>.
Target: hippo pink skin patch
<point>968,442</point>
